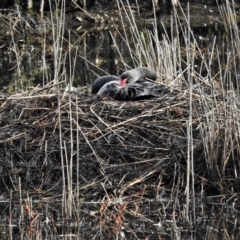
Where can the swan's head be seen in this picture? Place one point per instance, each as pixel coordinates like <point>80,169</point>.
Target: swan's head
<point>136,74</point>
<point>129,77</point>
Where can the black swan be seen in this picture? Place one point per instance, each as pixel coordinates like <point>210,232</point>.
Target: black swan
<point>131,85</point>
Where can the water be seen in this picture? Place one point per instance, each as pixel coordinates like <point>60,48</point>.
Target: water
<point>138,214</point>
<point>29,60</point>
<point>215,220</point>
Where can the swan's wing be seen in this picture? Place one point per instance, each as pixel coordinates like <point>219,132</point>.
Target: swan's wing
<point>143,91</point>
<point>111,89</point>
<point>131,92</point>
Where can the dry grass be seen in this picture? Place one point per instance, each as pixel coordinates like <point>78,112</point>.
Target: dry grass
<point>113,154</point>
<point>97,164</point>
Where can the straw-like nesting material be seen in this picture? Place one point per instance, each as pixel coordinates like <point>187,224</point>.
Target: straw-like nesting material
<point>119,144</point>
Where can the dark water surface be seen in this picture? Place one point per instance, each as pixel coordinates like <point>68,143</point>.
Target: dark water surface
<point>93,52</point>
<point>213,221</point>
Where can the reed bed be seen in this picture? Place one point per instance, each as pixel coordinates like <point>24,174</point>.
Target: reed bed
<point>112,154</point>
<point>73,160</point>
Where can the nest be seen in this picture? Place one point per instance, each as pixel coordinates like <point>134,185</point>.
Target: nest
<point>142,141</point>
<point>54,143</point>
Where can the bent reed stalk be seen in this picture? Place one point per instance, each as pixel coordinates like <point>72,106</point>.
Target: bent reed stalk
<point>175,63</point>
<point>111,164</point>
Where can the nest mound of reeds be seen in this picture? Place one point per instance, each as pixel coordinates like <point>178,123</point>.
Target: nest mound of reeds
<point>104,145</point>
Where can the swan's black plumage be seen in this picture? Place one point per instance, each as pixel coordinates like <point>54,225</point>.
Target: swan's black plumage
<point>101,81</point>
<point>131,85</point>
<point>137,74</point>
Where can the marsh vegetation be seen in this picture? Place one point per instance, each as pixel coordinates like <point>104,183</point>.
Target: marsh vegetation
<point>78,166</point>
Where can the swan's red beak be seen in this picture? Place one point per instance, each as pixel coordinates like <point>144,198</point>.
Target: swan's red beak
<point>123,81</point>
